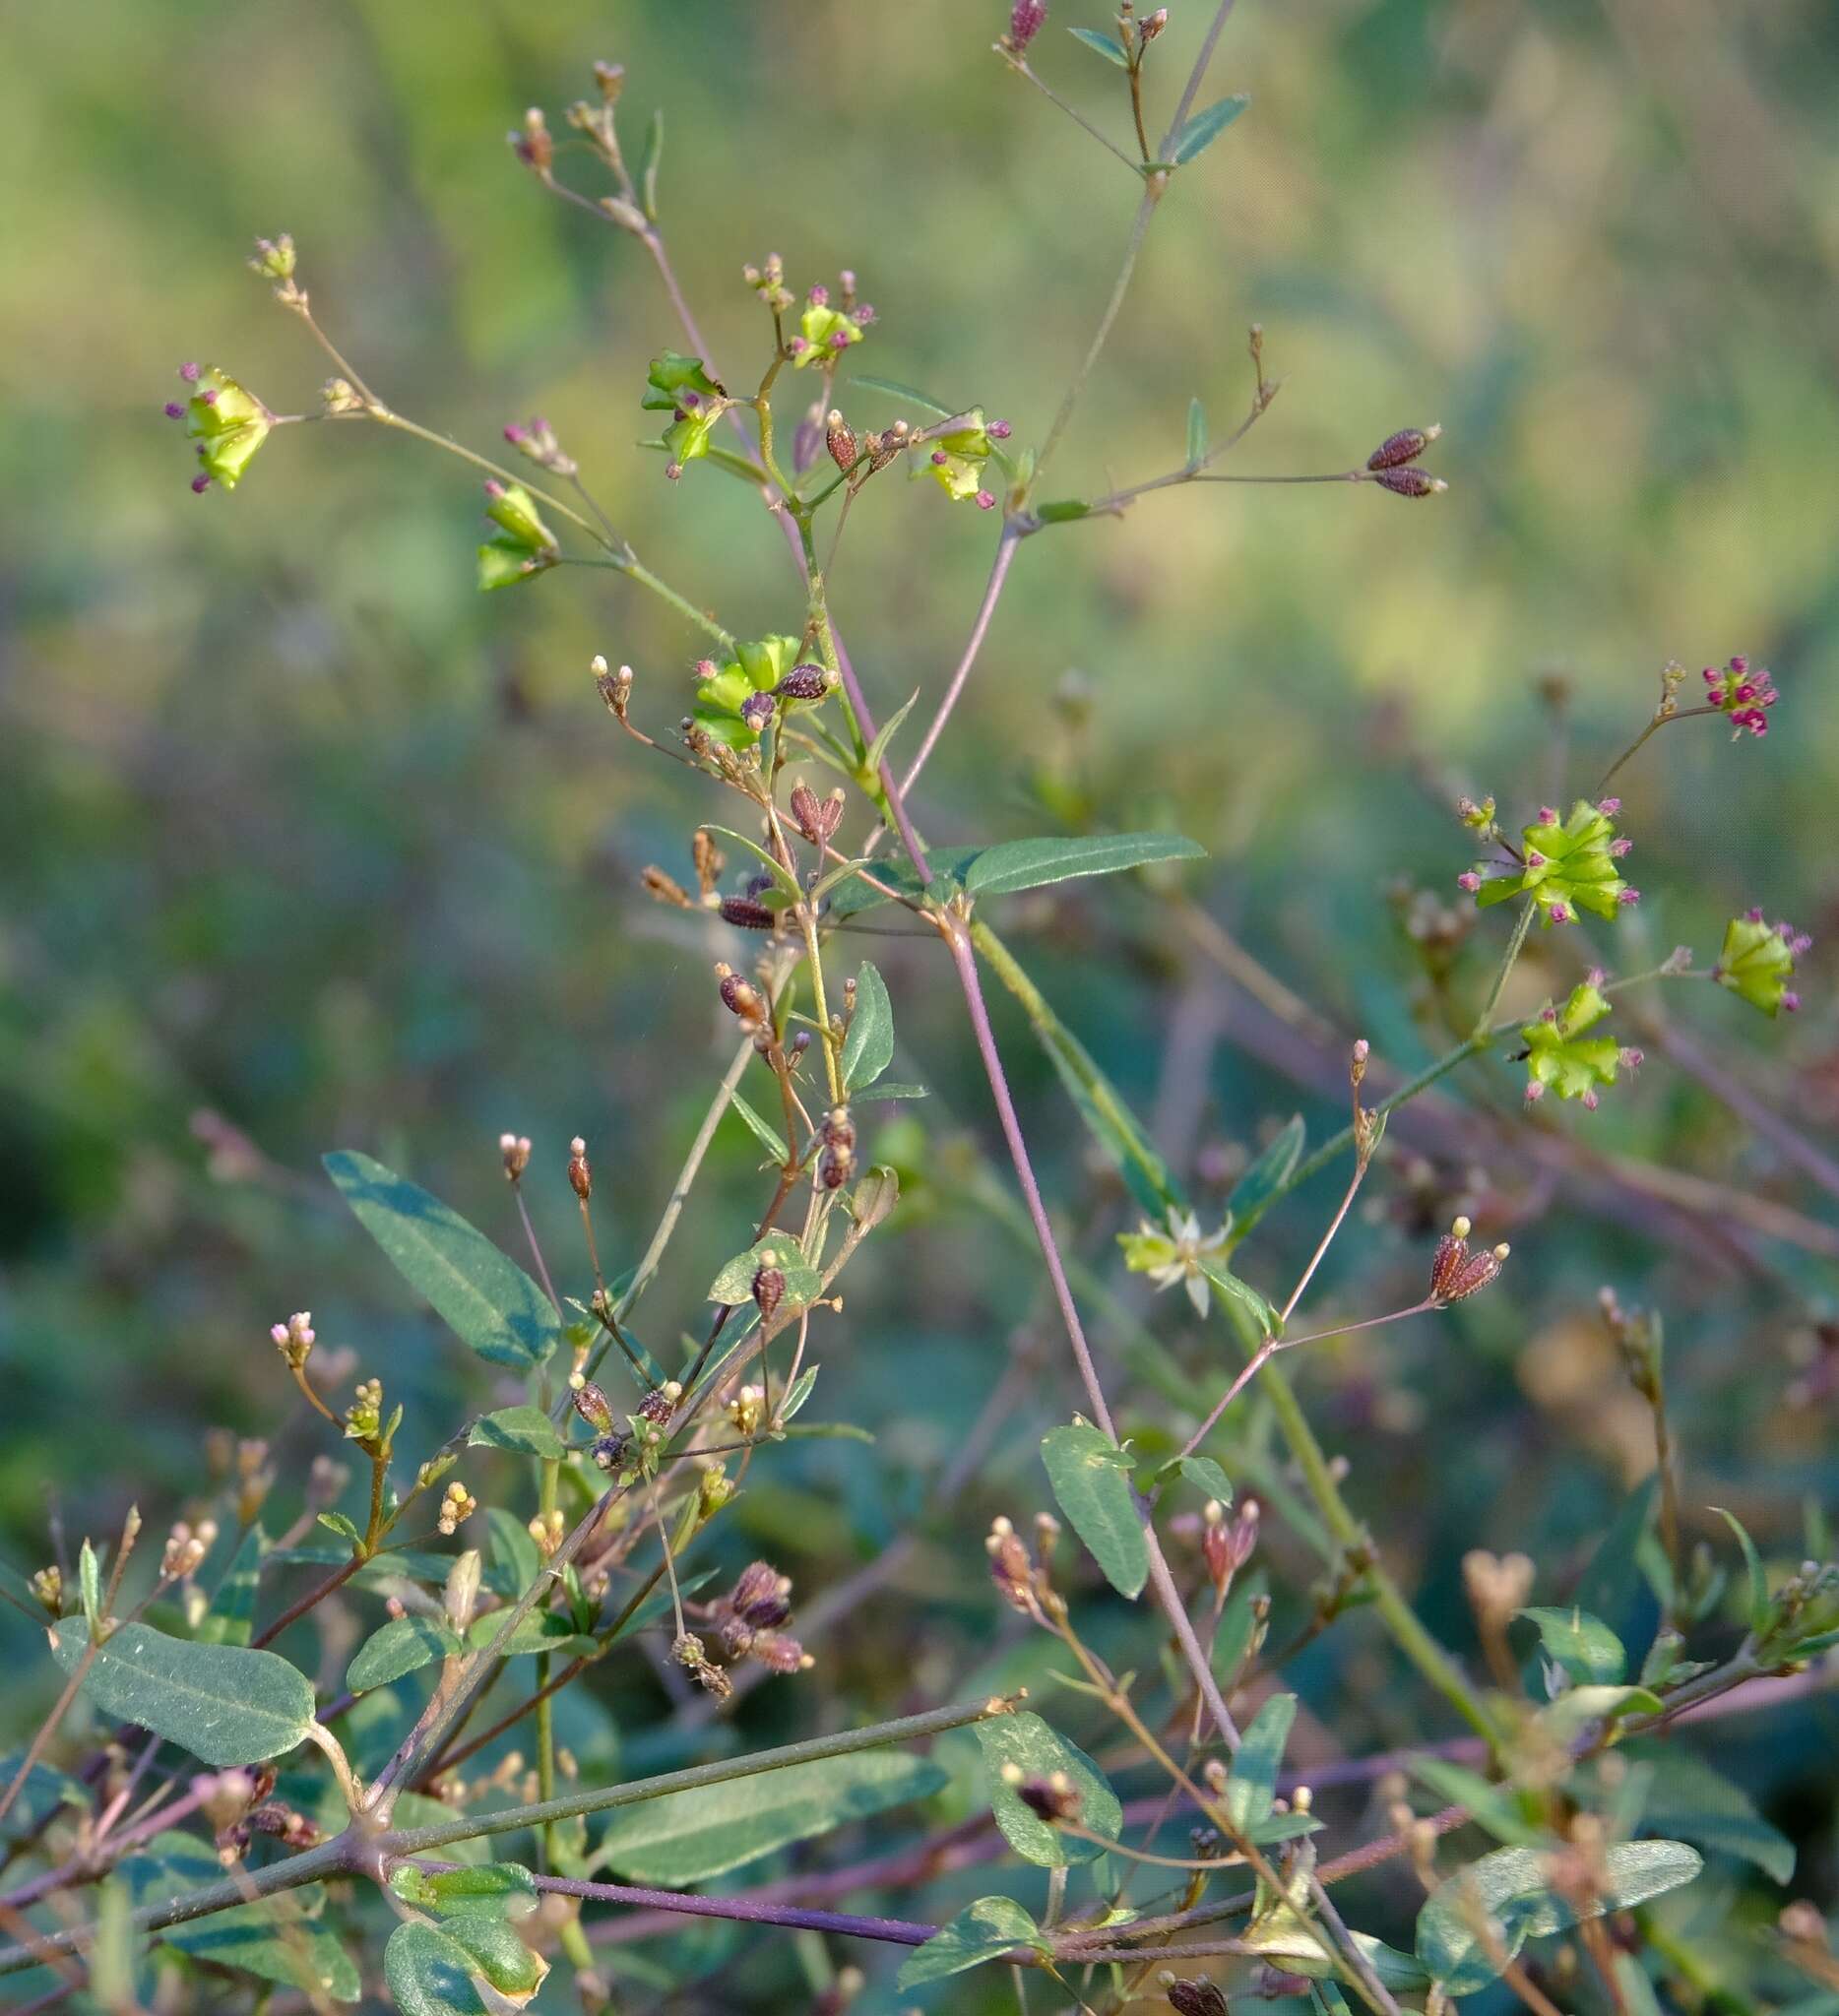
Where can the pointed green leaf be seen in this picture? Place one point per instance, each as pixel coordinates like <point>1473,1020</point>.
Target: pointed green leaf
<point>650,161</point>
<point>525,1430</point>
<point>760,1128</point>
<point>1511,1887</point>
<point>230,1619</point>
<point>982,1931</point>
<point>692,1836</point>
<point>1038,1752</point>
<point>1204,128</point>
<point>224,1703</point>
<point>1091,1479</point>
<point>514,1560</point>
<point>1566,1718</point>
<point>488,1301</point>
<point>734,1283</point>
<point>1016,864</point>
<point>1263,1182</point>
<point>1252,1789</point>
<point>1759,1605</point>
<point>1492,1806</point>
<point>868,1047</point>
<point>401,1647</point>
<point>1585,1646</point>
<point>1202,1472</point>
<point>537,1630</point>
<point>1107,46</point>
<point>880,1092</point>
<point>90,1585</point>
<point>892,386</point>
<point>1196,433</point>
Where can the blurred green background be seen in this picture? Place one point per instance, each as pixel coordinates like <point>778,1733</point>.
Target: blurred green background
<point>297,830</point>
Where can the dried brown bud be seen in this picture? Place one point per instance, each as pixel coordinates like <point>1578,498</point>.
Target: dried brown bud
<point>580,1175</point>
<point>1409,483</point>
<point>1455,1272</point>
<point>1153,24</point>
<point>612,78</point>
<point>663,888</point>
<point>818,818</point>
<point>533,143</point>
<point>840,439</point>
<point>1010,1567</point>
<point>740,997</point>
<point>1396,450</point>
<point>615,688</point>
<point>1194,1997</point>
<point>660,1403</point>
<point>769,1291</point>
<point>745,912</point>
<point>593,1408</point>
<point>707,859</point>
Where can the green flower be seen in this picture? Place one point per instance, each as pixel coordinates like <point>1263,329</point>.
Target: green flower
<point>1565,866</point>
<point>957,460</point>
<point>1174,1255</point>
<point>227,424</point>
<point>524,545</point>
<point>725,688</point>
<point>1757,961</point>
<point>823,331</point>
<point>1564,1058</point>
<point>678,385</point>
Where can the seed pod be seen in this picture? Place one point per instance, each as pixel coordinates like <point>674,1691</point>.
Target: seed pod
<point>807,813</point>
<point>739,997</point>
<point>615,688</point>
<point>745,912</point>
<point>1455,1272</point>
<point>1409,483</point>
<point>593,1408</point>
<point>840,439</point>
<point>658,1406</point>
<point>1026,18</point>
<point>757,711</point>
<point>769,1291</point>
<point>663,888</point>
<point>580,1175</point>
<point>1405,446</point>
<point>707,860</point>
<point>1194,1997</point>
<point>608,1453</point>
<point>803,682</point>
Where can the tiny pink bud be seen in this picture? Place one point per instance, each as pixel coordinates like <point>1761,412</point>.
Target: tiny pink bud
<point>190,373</point>
<point>174,412</point>
<point>1791,1001</point>
<point>1591,1102</point>
<point>1469,880</point>
<point>1608,808</point>
<point>998,430</point>
<point>1548,815</point>
<point>984,501</point>
<point>1560,913</point>
<point>1535,1091</point>
<point>201,484</point>
<point>1629,898</point>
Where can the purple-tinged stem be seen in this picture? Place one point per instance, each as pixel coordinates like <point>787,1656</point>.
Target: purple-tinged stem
<point>998,574</point>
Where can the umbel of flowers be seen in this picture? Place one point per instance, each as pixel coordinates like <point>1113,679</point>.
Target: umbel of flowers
<point>1562,1055</point>
<point>1565,866</point>
<point>227,422</point>
<point>1757,961</point>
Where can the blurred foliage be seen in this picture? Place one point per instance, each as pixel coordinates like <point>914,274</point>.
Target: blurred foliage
<point>297,830</point>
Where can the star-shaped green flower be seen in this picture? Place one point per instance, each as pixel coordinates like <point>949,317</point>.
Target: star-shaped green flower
<point>1757,961</point>
<point>678,385</point>
<point>1174,1255</point>
<point>522,547</point>
<point>1564,1058</point>
<point>229,424</point>
<point>1566,866</point>
<point>754,668</point>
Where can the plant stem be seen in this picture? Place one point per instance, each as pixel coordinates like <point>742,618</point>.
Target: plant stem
<point>987,608</point>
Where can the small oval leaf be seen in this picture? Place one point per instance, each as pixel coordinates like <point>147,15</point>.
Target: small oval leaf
<point>1091,1479</point>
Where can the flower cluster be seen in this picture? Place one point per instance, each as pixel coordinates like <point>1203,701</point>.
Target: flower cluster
<point>1741,692</point>
<point>748,1620</point>
<point>1564,864</point>
<point>227,424</point>
<point>1757,961</point>
<point>522,547</point>
<point>1456,1273</point>
<point>737,699</point>
<point>825,331</point>
<point>956,463</point>
<point>1562,1055</point>
<point>679,386</point>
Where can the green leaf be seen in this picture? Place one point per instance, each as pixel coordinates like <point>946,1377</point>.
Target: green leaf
<point>495,1952</point>
<point>1204,128</point>
<point>275,1938</point>
<point>1283,1935</point>
<point>1201,1471</point>
<point>536,1631</point>
<point>1252,1785</point>
<point>526,1430</point>
<point>760,1128</point>
<point>1612,1581</point>
<point>224,1703</point>
<point>90,1583</point>
<point>1063,511</point>
<point>1196,433</point>
<point>1511,1887</point>
<point>337,1521</point>
<point>892,386</point>
<point>1566,1719</point>
<point>230,1619</point>
<point>1584,1645</point>
<point>1107,46</point>
<point>43,1792</point>
<point>1233,1641</point>
<point>1759,1603</point>
<point>489,1302</point>
<point>1258,1188</point>
<point>734,1283</point>
<point>514,1554</point>
<point>1492,1806</point>
<point>868,1047</point>
<point>1241,1293</point>
<point>650,161</point>
<point>1687,1797</point>
<point>692,1836</point>
<point>403,1646</point>
<point>799,1394</point>
<point>1091,1479</point>
<point>1037,1751</point>
<point>498,1889</point>
<point>982,1931</point>
<point>1016,864</point>
<point>898,1092</point>
<point>430,1974</point>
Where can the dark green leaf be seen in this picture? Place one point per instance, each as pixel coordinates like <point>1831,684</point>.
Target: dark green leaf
<point>1242,1293</point>
<point>430,1974</point>
<point>1585,1646</point>
<point>526,1430</point>
<point>43,1792</point>
<point>1196,433</point>
<point>868,1047</point>
<point>1204,128</point>
<point>1091,1479</point>
<point>1687,1797</point>
<point>230,1619</point>
<point>1252,1785</point>
<point>224,1703</point>
<point>1107,46</point>
<point>536,1631</point>
<point>1028,1744</point>
<point>1201,1471</point>
<point>982,1931</point>
<point>734,1283</point>
<point>514,1552</point>
<point>692,1836</point>
<point>1016,864</point>
<point>1259,1186</point>
<point>1494,1807</point>
<point>401,1647</point>
<point>489,1302</point>
<point>1511,1886</point>
<point>498,1889</point>
<point>1612,1583</point>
